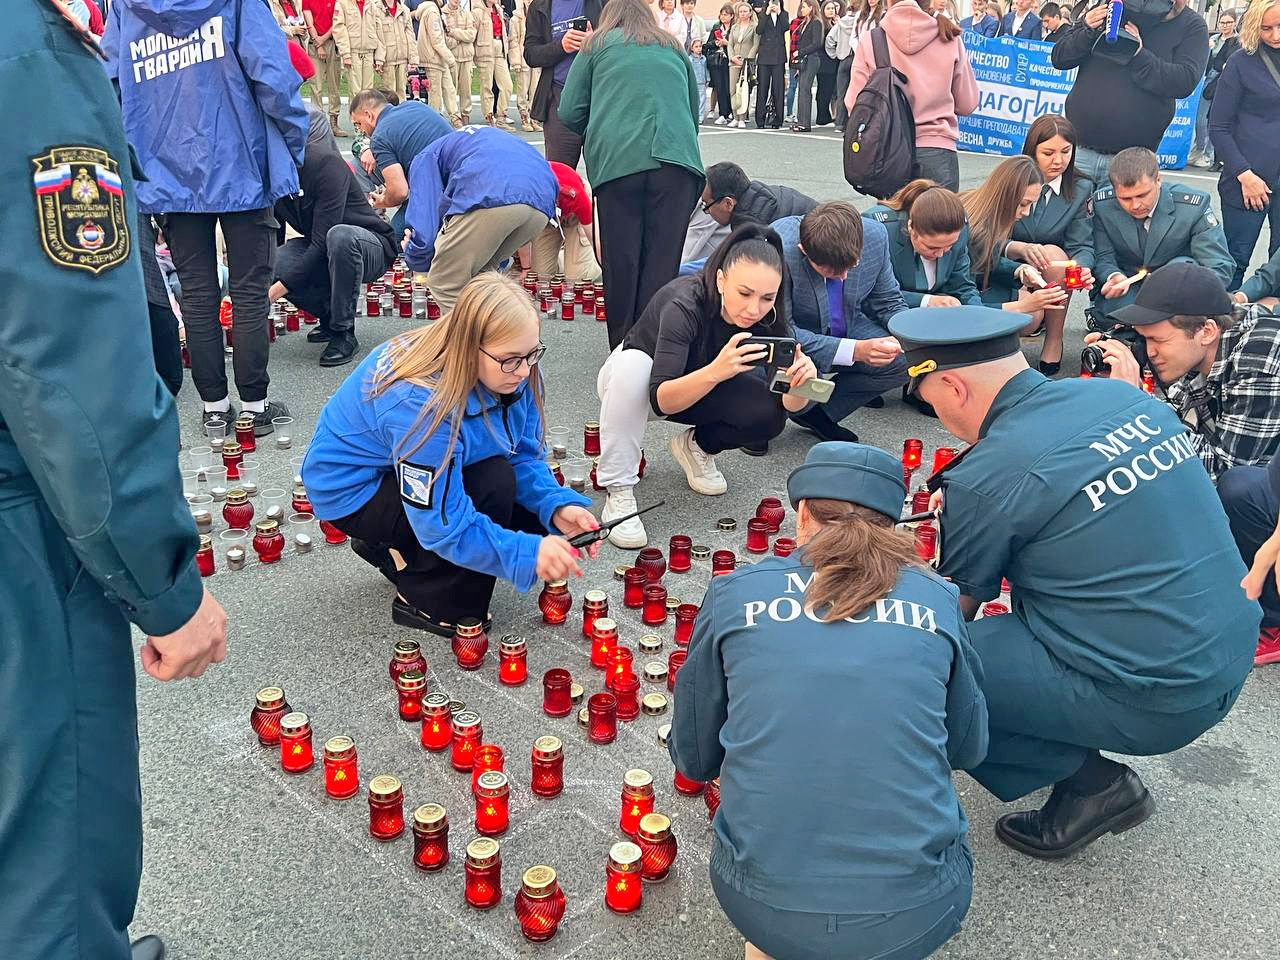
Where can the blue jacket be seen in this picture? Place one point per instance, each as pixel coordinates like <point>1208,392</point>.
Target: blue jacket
<point>988,26</point>
<point>358,440</point>
<point>1030,29</point>
<point>473,168</point>
<point>210,103</point>
<point>834,742</point>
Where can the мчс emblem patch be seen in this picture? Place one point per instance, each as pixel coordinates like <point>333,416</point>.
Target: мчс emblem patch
<point>80,212</point>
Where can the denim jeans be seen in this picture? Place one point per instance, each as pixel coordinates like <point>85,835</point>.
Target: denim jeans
<point>793,75</point>
<point>1094,165</point>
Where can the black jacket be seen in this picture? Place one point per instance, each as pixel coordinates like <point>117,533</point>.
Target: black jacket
<point>762,203</point>
<point>773,33</point>
<point>810,41</point>
<point>540,50</point>
<point>1217,63</point>
<point>329,196</point>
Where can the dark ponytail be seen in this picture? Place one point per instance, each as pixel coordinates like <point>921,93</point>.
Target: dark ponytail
<point>752,243</point>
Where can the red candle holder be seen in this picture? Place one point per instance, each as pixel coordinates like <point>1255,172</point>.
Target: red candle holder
<point>557,285</point>
<point>296,753</point>
<point>757,535</point>
<point>690,788</point>
<point>589,300</point>
<point>232,457</point>
<point>492,803</point>
<point>332,535</point>
<point>341,772</point>
<point>920,500</point>
<point>633,584</point>
<point>1073,276</point>
<point>943,456</point>
<point>674,662</point>
<point>372,305</point>
<point>204,556</point>
<point>540,904</point>
<point>487,757</point>
<point>292,321</point>
<point>637,800</point>
<point>530,282</point>
<point>556,700</point>
<point>578,287</point>
<point>406,655</point>
<point>555,602</point>
<point>567,307</point>
<point>430,837</point>
<point>784,547</point>
<point>623,890</point>
<point>595,481</point>
<point>411,687</point>
<point>601,314</point>
<point>994,609</point>
<point>602,718</point>
<point>386,807</point>
<point>268,541</point>
<point>269,707</point>
<point>467,732</point>
<point>652,562</point>
<point>722,562</point>
<point>437,724</point>
<point>770,509</point>
<point>1148,381</point>
<point>655,605</point>
<point>513,657</point>
<point>712,798</point>
<point>926,542</point>
<point>406,305</point>
<point>483,868</point>
<point>906,477</point>
<point>619,665</point>
<point>594,605</point>
<point>591,439</point>
<point>244,433</point>
<point>470,643</point>
<point>545,300</point>
<point>433,309</point>
<point>657,847</point>
<point>626,688</point>
<point>912,453</point>
<point>548,767</point>
<point>686,613</point>
<point>680,557</point>
<point>301,502</point>
<point>237,511</point>
<point>602,644</point>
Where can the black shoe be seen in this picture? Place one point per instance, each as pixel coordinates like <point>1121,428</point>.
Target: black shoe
<point>759,451</point>
<point>913,400</point>
<point>262,424</point>
<point>796,128</point>
<point>407,615</point>
<point>875,403</point>
<point>1070,821</point>
<point>228,416</point>
<point>149,947</point>
<point>816,421</point>
<point>341,349</point>
<point>1049,369</point>
<point>378,557</point>
<point>321,334</point>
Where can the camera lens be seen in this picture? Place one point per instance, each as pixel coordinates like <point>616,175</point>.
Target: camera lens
<point>1092,360</point>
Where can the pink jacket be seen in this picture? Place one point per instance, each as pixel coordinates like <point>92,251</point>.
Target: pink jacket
<point>940,81</point>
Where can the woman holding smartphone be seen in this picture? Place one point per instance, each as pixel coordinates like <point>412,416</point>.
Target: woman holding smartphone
<point>691,359</point>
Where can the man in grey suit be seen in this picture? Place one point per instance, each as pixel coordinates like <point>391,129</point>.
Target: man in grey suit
<point>840,293</point>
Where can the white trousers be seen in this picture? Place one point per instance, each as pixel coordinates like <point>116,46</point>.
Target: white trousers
<point>623,388</point>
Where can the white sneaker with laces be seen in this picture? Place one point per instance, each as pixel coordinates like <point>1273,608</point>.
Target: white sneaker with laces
<point>699,467</point>
<point>721,121</point>
<point>629,535</point>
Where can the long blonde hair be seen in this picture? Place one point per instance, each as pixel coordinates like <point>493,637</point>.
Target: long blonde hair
<point>992,210</point>
<point>857,556</point>
<point>445,357</point>
<point>1251,24</point>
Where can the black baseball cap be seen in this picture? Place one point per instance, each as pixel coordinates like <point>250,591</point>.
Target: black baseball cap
<point>1176,288</point>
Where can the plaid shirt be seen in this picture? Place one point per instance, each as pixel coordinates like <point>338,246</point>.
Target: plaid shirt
<point>1233,413</point>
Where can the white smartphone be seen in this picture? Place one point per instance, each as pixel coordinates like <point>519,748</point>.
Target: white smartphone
<point>815,389</point>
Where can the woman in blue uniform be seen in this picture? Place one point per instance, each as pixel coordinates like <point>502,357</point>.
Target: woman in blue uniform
<point>433,447</point>
<point>860,851</point>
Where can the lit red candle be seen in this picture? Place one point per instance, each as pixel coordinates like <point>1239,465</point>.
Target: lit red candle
<point>757,535</point>
<point>674,662</point>
<point>602,315</point>
<point>680,559</point>
<point>430,837</point>
<point>633,583</point>
<point>620,664</point>
<point>686,613</point>
<point>1073,276</point>
<point>556,700</point>
<point>657,847</point>
<point>296,753</point>
<point>602,718</point>
<point>722,562</point>
<point>341,773</point>
<point>204,556</point>
<point>655,604</point>
<point>269,707</point>
<point>268,541</point>
<point>411,687</point>
<point>386,807</point>
<point>626,688</point>
<point>591,439</point>
<point>483,868</point>
<point>589,300</point>
<point>470,643</point>
<point>912,453</point>
<point>513,656</point>
<point>437,723</point>
<point>487,757</point>
<point>623,891</point>
<point>943,456</point>
<point>652,562</point>
<point>637,799</point>
<point>926,541</point>
<point>555,602</point>
<point>602,644</point>
<point>712,798</point>
<point>492,803</point>
<point>467,732</point>
<point>406,655</point>
<point>784,547</point>
<point>594,604</point>
<point>1148,382</point>
<point>540,904</point>
<point>547,779</point>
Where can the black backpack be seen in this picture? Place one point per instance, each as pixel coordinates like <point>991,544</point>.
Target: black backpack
<point>880,134</point>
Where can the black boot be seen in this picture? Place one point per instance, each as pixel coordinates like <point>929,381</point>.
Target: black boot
<point>320,334</point>
<point>816,421</point>
<point>1071,820</point>
<point>341,349</point>
<point>149,947</point>
<point>377,556</point>
<point>407,615</point>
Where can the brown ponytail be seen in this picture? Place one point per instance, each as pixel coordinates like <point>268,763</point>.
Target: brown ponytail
<point>932,209</point>
<point>947,29</point>
<point>857,556</point>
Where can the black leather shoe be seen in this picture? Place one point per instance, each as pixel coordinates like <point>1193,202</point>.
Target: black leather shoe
<point>875,403</point>
<point>376,556</point>
<point>1070,821</point>
<point>816,421</point>
<point>407,615</point>
<point>1049,369</point>
<point>760,451</point>
<point>320,335</point>
<point>341,349</point>
<point>149,947</point>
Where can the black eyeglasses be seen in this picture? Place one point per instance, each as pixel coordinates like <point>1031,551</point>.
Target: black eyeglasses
<point>512,364</point>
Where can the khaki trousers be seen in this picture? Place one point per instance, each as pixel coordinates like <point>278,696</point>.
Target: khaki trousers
<point>489,69</point>
<point>328,78</point>
<point>442,95</point>
<point>523,84</point>
<point>361,75</point>
<point>579,258</point>
<point>462,83</point>
<point>396,77</point>
<point>471,243</point>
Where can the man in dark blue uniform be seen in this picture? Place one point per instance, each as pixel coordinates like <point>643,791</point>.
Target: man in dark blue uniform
<point>1129,632</point>
<point>93,529</point>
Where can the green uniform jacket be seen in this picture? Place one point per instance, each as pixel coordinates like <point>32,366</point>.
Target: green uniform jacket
<point>635,107</point>
<point>1056,220</point>
<point>954,274</point>
<point>86,425</point>
<point>1265,282</point>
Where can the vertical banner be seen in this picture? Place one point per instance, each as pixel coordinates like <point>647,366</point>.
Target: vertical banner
<point>1018,82</point>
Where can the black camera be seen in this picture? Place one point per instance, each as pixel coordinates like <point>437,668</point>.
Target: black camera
<point>1093,360</point>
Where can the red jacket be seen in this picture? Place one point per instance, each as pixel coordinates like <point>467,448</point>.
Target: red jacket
<point>795,32</point>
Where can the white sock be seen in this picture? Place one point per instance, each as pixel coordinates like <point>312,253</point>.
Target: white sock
<point>218,406</point>
<point>253,406</point>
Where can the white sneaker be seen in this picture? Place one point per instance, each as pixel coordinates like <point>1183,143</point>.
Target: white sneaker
<point>630,534</point>
<point>742,124</point>
<point>699,467</point>
<point>721,121</point>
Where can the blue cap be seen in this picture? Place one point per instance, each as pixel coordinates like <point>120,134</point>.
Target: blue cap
<point>853,472</point>
<point>944,338</point>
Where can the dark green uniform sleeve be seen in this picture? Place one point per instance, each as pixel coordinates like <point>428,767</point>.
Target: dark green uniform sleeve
<point>967,733</point>
<point>702,701</point>
<point>93,427</point>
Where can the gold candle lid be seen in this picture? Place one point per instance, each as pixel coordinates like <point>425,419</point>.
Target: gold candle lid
<point>206,541</point>
<point>405,650</point>
<point>655,670</point>
<point>244,420</point>
<point>510,643</point>
<point>266,526</point>
<point>457,706</point>
<point>673,604</point>
<point>620,572</point>
<point>411,680</point>
<point>726,523</point>
<point>539,881</point>
<point>664,732</point>
<point>469,627</point>
<point>436,703</point>
<point>466,720</point>
<point>431,817</point>
<point>593,426</point>
<point>654,704</point>
<point>655,826</point>
<point>700,552</point>
<point>384,787</point>
<point>271,697</point>
<point>492,783</point>
<point>584,717</point>
<point>595,596</point>
<point>604,625</point>
<point>576,692</point>
<point>339,748</point>
<point>548,748</point>
<point>650,643</point>
<point>637,779</point>
<point>292,724</point>
<point>625,857</point>
<point>230,448</point>
<point>558,586</point>
<point>237,495</point>
<point>482,852</point>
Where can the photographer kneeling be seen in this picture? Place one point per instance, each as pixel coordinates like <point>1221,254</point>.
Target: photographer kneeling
<point>1220,369</point>
<point>694,357</point>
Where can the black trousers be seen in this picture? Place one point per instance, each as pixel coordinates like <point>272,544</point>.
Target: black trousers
<point>843,76</point>
<point>826,87</point>
<point>641,238</point>
<point>719,74</point>
<point>251,246</point>
<point>559,143</point>
<point>165,346</point>
<point>354,256</point>
<point>769,77</point>
<point>740,412</point>
<point>431,583</point>
<point>804,91</point>
<point>1251,497</point>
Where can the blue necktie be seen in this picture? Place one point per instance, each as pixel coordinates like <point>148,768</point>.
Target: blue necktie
<point>835,306</point>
